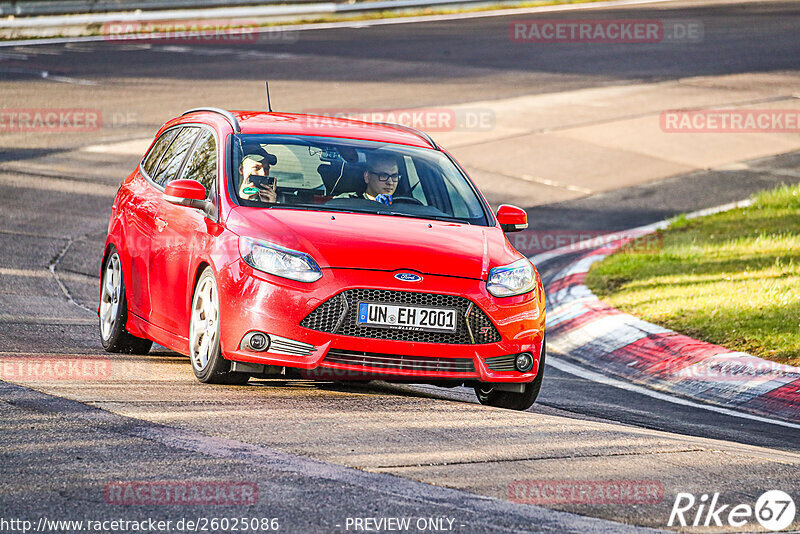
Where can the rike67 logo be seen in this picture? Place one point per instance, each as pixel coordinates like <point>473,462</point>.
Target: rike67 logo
<point>774,510</point>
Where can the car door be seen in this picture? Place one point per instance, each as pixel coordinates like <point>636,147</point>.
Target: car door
<point>139,208</point>
<point>184,233</point>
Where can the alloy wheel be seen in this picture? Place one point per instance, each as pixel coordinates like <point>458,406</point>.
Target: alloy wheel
<point>110,296</point>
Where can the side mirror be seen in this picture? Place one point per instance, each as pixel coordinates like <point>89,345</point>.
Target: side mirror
<point>512,218</point>
<point>191,194</point>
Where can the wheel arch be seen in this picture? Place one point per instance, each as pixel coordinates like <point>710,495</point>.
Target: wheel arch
<point>202,265</point>
<point>116,237</point>
<point>198,271</point>
<point>130,327</point>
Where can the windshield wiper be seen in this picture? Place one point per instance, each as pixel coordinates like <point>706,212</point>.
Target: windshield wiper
<point>308,207</point>
<point>445,218</point>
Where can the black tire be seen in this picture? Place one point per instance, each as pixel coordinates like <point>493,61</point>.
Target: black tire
<point>514,401</point>
<point>113,334</point>
<point>215,369</point>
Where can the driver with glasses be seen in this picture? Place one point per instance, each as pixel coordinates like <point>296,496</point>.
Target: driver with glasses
<point>381,176</point>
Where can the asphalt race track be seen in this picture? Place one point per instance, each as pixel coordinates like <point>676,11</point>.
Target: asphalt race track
<point>321,454</point>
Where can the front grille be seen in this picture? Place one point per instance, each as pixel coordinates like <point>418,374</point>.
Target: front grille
<point>502,363</point>
<point>339,315</point>
<point>400,363</point>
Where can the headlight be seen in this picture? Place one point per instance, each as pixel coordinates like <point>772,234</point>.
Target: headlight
<point>279,261</point>
<point>510,280</point>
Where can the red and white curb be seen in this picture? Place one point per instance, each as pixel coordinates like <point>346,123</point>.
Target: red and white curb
<point>603,338</point>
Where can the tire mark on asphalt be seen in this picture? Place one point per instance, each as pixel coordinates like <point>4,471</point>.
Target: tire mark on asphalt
<point>545,458</point>
<point>537,180</point>
<point>776,172</point>
<point>58,173</point>
<point>73,276</point>
<point>60,185</point>
<point>30,234</point>
<point>53,321</point>
<point>46,75</point>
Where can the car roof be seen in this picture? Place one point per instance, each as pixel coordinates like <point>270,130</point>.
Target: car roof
<point>262,122</point>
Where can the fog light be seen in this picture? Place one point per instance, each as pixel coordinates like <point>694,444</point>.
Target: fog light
<point>524,362</point>
<point>256,341</point>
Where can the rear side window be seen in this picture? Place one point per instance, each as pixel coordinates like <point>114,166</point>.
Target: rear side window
<point>161,144</point>
<point>202,163</point>
<point>174,156</point>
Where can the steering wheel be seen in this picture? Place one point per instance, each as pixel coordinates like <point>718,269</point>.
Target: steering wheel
<point>407,200</point>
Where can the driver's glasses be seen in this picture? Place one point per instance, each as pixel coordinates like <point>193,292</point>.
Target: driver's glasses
<point>383,177</point>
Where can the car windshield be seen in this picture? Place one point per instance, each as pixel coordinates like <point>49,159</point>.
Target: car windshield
<point>333,174</point>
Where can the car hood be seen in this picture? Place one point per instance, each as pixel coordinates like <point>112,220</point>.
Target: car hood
<point>379,242</point>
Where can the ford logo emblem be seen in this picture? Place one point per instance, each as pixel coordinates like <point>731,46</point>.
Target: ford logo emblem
<point>408,277</point>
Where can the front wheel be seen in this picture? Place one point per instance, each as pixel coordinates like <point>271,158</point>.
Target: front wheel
<point>510,400</point>
<point>204,332</point>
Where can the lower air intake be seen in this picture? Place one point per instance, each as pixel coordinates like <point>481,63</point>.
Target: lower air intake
<point>393,362</point>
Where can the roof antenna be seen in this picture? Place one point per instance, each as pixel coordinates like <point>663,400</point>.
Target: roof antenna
<point>269,105</point>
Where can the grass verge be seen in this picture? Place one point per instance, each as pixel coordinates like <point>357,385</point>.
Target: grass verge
<point>732,278</point>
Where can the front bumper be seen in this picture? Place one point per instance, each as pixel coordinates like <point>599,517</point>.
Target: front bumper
<point>254,301</point>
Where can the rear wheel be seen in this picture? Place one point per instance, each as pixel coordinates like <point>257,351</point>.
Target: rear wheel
<point>490,396</point>
<point>204,332</point>
<point>114,310</point>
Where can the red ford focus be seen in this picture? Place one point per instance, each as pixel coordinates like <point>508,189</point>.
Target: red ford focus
<point>272,244</point>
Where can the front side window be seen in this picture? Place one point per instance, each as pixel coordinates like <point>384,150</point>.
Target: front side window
<point>159,147</point>
<point>174,156</point>
<point>307,172</point>
<point>202,163</point>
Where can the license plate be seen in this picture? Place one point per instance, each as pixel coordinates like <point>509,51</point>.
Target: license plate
<point>400,317</point>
